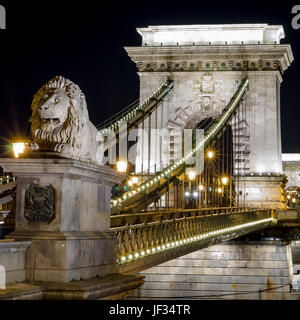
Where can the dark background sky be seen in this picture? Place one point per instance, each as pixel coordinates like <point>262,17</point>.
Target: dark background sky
<point>84,42</point>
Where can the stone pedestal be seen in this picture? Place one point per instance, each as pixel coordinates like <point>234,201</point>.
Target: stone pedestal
<point>261,191</point>
<point>70,235</point>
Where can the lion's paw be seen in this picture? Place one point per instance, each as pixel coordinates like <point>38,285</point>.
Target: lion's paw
<point>63,148</point>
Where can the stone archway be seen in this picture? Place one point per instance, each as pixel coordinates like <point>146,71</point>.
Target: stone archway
<point>208,100</point>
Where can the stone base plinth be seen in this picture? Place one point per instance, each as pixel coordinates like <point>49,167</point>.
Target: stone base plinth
<point>12,261</point>
<point>21,291</point>
<point>113,287</point>
<point>65,257</point>
<point>260,191</point>
<point>82,193</point>
<point>63,208</point>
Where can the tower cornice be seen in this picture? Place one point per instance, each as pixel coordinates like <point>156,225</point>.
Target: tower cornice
<point>212,57</point>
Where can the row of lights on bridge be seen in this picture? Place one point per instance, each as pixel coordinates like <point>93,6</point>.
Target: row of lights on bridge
<point>150,251</point>
<point>172,167</point>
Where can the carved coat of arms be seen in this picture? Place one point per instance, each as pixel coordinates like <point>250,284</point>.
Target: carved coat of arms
<point>39,203</point>
<point>209,96</point>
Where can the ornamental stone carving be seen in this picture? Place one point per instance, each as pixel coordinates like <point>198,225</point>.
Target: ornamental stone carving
<point>39,203</point>
<point>209,95</point>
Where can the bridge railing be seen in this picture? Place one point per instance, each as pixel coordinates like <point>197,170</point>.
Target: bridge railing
<point>138,240</point>
<point>6,179</point>
<point>163,214</point>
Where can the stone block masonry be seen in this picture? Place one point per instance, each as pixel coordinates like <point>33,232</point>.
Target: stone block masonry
<point>233,270</point>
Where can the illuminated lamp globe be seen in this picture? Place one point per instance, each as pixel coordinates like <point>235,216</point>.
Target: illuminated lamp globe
<point>192,175</point>
<point>210,154</point>
<point>224,180</point>
<point>122,166</point>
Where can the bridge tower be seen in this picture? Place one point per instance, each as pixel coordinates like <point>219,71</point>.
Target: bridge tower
<point>206,63</point>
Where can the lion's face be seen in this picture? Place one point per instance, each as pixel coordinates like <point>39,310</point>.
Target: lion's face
<point>53,109</point>
<point>59,115</point>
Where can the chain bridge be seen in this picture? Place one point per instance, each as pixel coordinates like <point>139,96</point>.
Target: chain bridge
<point>194,163</point>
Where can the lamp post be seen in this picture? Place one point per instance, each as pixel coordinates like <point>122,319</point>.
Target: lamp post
<point>208,197</point>
<point>122,166</point>
<point>19,146</point>
<point>225,181</point>
<point>201,188</point>
<point>210,154</point>
<point>192,177</point>
<point>288,197</point>
<point>135,180</point>
<point>294,202</point>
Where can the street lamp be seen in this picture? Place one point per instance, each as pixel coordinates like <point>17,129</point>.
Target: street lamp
<point>192,175</point>
<point>219,190</point>
<point>210,154</point>
<point>224,180</point>
<point>201,187</point>
<point>130,183</point>
<point>187,194</point>
<point>294,200</point>
<point>122,166</point>
<point>135,180</point>
<point>288,196</point>
<point>18,147</point>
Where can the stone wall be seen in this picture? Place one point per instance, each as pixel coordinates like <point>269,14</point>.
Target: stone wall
<point>226,271</point>
<point>12,258</point>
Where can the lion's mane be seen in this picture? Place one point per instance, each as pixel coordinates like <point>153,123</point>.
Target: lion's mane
<point>70,132</point>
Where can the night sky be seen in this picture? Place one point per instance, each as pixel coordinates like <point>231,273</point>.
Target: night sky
<point>84,42</point>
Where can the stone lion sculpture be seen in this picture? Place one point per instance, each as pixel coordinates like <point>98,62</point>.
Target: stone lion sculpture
<point>60,121</point>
